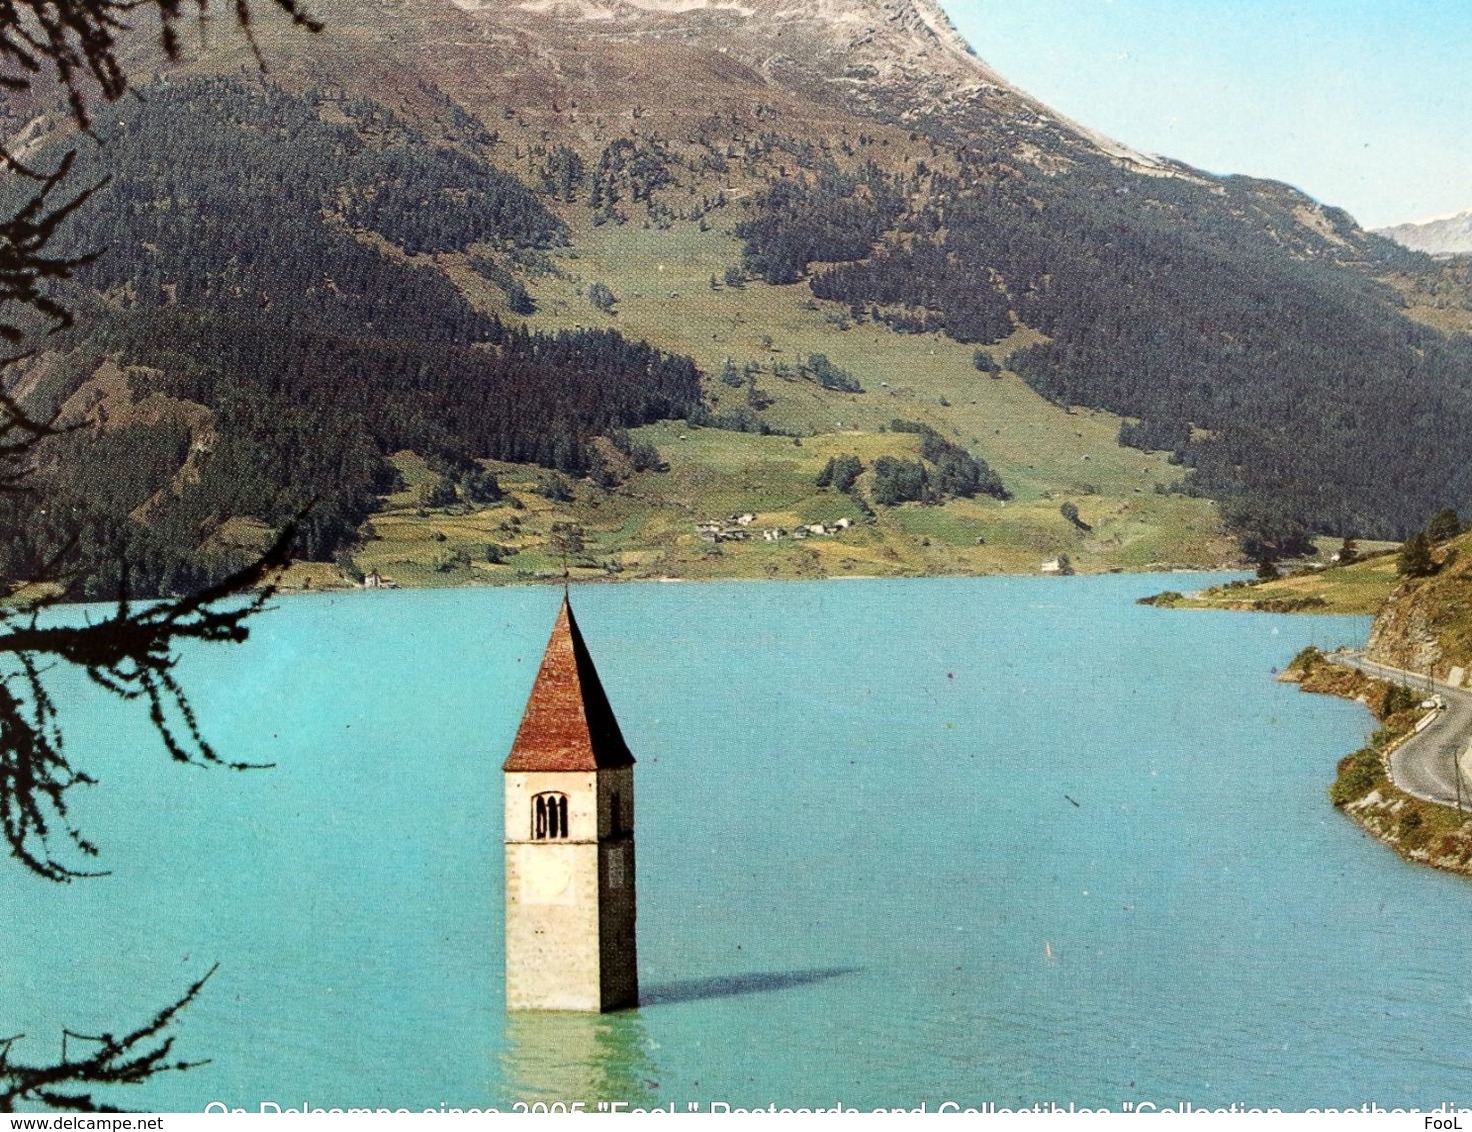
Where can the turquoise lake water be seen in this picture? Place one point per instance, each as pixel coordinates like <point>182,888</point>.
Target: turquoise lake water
<point>1007,840</point>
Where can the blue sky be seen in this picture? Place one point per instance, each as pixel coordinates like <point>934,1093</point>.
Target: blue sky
<point>1365,104</point>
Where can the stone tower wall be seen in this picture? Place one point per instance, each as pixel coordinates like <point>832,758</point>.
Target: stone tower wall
<point>553,929</point>
<point>571,940</point>
<point>618,938</point>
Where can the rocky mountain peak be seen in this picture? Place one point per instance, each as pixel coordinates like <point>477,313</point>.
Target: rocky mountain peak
<point>896,31</point>
<point>1443,236</point>
<point>902,61</point>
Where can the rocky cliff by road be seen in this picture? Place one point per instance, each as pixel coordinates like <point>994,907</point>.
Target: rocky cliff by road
<point>1426,626</point>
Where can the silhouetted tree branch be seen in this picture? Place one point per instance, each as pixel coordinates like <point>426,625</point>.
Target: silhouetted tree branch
<point>77,41</point>
<point>125,1060</point>
<point>27,272</point>
<point>132,656</point>
<point>133,653</point>
<point>25,268</point>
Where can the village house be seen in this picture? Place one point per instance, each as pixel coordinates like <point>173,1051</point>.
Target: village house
<point>737,529</point>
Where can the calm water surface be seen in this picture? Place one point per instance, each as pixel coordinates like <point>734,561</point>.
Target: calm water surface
<point>1007,840</point>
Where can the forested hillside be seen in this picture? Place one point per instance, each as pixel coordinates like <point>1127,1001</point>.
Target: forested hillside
<point>487,233</point>
<point>245,271</point>
<point>1278,370</point>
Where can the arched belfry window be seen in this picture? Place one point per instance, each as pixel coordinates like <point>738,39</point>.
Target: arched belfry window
<point>549,816</point>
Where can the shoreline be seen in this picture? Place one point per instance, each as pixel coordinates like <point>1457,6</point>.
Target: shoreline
<point>1360,587</point>
<point>16,600</point>
<point>590,578</point>
<point>600,580</point>
<point>1420,832</point>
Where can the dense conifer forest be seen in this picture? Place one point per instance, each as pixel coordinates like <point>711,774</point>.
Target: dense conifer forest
<point>274,261</point>
<point>246,274</point>
<point>837,217</point>
<point>1261,350</point>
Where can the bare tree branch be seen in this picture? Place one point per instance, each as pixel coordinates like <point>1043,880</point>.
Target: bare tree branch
<point>27,273</point>
<point>77,41</point>
<point>132,655</point>
<point>126,1060</point>
<point>25,267</point>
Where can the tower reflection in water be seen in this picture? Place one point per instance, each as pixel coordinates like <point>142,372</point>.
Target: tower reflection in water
<point>557,1056</point>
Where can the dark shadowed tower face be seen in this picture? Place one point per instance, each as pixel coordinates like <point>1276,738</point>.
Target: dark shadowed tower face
<point>570,908</point>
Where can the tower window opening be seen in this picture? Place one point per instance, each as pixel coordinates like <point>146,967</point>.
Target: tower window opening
<point>549,816</point>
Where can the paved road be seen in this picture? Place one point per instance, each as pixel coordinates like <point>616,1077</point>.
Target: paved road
<point>1426,764</point>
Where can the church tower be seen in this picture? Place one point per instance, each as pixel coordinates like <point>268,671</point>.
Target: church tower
<point>569,841</point>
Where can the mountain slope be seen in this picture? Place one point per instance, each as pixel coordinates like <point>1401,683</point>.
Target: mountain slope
<point>879,227</point>
<point>1448,235</point>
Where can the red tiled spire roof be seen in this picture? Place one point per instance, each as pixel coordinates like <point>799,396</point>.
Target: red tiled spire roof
<point>568,724</point>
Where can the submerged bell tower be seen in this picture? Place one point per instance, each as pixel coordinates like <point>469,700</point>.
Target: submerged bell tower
<point>570,909</point>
